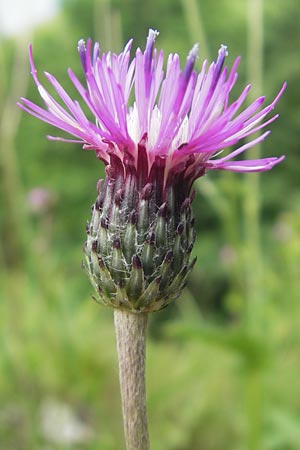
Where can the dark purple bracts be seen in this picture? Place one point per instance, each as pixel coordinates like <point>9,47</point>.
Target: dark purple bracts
<point>141,235</point>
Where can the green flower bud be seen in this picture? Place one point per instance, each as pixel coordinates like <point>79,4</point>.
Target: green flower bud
<point>140,239</point>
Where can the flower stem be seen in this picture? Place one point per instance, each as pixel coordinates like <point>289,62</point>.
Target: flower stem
<point>131,337</point>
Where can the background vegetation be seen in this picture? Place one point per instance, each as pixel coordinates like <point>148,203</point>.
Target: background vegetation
<point>223,361</point>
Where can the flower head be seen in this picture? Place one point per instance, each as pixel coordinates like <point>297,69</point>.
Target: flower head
<point>180,117</point>
<point>156,129</point>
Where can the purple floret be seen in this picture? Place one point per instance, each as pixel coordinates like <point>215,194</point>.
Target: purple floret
<point>182,117</point>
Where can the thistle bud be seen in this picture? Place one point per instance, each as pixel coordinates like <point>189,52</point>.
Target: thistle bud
<point>143,242</point>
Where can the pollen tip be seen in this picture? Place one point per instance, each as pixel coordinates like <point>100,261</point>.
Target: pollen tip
<point>149,48</point>
<point>193,55</point>
<point>152,35</point>
<point>223,50</point>
<point>81,45</point>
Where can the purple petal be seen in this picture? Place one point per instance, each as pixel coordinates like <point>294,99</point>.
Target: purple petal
<point>178,115</point>
<point>254,165</point>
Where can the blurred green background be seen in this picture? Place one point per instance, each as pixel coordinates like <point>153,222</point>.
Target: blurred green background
<point>224,360</point>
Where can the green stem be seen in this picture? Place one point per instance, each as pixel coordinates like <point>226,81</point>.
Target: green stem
<point>253,256</point>
<point>14,219</point>
<point>131,338</point>
<point>254,408</point>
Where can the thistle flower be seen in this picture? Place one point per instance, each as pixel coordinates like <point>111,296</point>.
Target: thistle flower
<point>156,130</point>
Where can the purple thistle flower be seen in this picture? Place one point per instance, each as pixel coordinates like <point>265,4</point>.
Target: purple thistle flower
<point>154,147</point>
<point>181,117</point>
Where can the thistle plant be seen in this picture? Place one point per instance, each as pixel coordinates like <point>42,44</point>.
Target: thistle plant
<point>157,129</point>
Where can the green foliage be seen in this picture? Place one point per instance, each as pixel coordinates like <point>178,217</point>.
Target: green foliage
<point>223,362</point>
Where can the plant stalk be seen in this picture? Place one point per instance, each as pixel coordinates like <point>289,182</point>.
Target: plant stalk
<point>131,338</point>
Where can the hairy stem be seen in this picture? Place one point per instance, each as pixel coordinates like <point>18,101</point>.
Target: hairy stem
<point>131,336</point>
